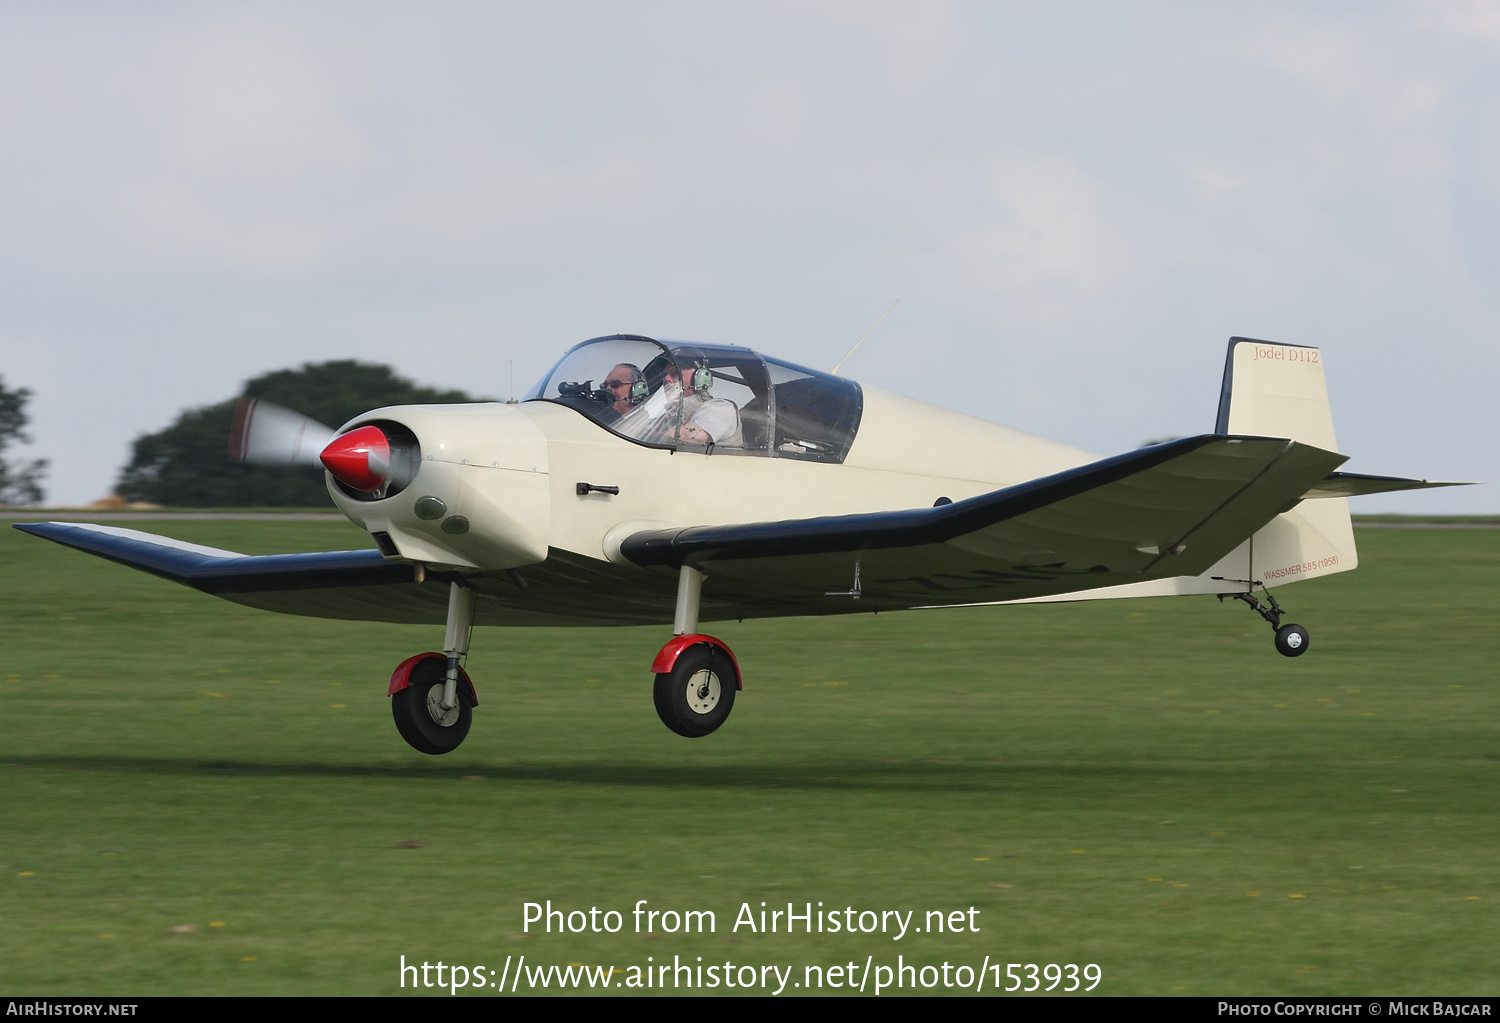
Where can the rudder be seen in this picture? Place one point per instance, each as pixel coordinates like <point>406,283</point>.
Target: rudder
<point>1276,390</point>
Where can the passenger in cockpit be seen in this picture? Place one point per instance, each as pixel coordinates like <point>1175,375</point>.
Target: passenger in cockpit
<point>706,419</point>
<point>675,412</point>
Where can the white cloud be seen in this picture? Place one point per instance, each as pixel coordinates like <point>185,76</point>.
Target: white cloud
<point>1474,19</point>
<point>1338,61</point>
<point>1046,232</point>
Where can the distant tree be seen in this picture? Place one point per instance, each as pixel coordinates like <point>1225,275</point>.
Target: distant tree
<point>19,483</point>
<point>188,465</point>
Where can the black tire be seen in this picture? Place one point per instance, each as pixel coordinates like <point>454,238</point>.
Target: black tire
<point>414,708</point>
<point>1291,641</point>
<point>696,696</point>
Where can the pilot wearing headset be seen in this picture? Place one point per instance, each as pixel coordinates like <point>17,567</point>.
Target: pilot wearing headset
<point>621,383</point>
<point>702,419</point>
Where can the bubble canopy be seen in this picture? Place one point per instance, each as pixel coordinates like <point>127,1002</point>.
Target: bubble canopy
<point>717,399</point>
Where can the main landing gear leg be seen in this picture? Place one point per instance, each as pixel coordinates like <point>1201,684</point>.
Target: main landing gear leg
<point>689,595</point>
<point>456,639</point>
<point>432,698</point>
<point>696,675</point>
<point>1291,640</point>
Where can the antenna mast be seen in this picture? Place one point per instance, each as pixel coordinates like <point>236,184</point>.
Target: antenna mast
<point>866,334</point>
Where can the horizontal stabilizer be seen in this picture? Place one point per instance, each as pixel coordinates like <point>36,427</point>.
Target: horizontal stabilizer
<point>1354,484</point>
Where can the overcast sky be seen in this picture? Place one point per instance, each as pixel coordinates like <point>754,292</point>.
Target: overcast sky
<point>1077,205</point>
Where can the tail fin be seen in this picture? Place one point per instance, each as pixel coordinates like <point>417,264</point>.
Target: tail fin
<point>1274,390</point>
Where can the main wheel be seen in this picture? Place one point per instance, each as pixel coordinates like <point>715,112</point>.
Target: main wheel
<point>697,695</point>
<point>1291,641</point>
<point>419,714</point>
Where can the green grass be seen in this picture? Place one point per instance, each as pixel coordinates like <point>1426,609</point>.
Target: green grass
<point>1144,785</point>
<point>1442,520</point>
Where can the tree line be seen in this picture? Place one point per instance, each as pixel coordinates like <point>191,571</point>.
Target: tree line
<point>188,463</point>
<point>20,482</point>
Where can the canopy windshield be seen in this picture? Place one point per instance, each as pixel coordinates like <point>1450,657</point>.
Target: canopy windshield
<point>717,399</point>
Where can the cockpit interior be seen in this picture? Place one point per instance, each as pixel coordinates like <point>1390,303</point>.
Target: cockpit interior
<point>716,399</point>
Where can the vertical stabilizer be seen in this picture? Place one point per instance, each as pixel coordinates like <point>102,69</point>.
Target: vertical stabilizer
<point>1274,390</point>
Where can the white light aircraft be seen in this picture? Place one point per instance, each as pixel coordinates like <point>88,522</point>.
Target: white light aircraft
<point>642,482</point>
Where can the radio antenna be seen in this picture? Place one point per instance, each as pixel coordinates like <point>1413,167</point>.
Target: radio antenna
<point>866,334</point>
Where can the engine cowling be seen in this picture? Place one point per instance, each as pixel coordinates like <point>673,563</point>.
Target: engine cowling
<point>468,485</point>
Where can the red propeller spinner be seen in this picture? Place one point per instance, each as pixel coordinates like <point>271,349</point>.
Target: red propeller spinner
<point>360,458</point>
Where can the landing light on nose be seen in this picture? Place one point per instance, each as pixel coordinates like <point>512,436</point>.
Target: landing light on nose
<point>360,458</point>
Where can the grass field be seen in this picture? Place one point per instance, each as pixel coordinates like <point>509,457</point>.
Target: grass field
<point>203,799</point>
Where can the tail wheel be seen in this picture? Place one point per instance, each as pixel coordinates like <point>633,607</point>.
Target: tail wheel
<point>1291,641</point>
<point>696,696</point>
